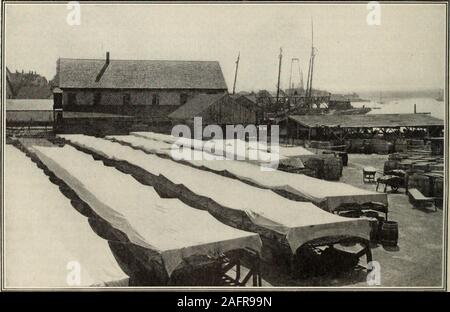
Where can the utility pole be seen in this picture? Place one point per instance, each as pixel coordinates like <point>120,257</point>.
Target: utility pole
<point>279,73</point>
<point>235,72</point>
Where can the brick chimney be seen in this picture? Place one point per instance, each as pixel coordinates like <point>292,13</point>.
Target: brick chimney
<point>102,71</point>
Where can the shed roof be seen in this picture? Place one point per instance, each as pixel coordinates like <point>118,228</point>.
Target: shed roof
<point>140,74</point>
<point>367,121</point>
<point>195,106</point>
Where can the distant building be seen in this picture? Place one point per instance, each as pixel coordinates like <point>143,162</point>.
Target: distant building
<point>147,89</point>
<point>339,102</point>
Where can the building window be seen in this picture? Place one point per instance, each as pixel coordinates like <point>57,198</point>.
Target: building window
<point>126,99</point>
<point>155,99</point>
<point>72,99</point>
<point>183,98</point>
<point>97,98</point>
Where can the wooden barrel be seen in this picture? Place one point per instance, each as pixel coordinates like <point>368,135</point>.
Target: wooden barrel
<point>313,144</point>
<point>351,214</point>
<point>438,191</point>
<point>421,165</point>
<point>437,167</point>
<point>420,182</point>
<point>324,145</point>
<point>416,144</point>
<point>315,164</point>
<point>395,156</point>
<point>390,165</point>
<point>438,187</point>
<point>332,168</point>
<point>320,144</point>
<point>389,233</point>
<point>437,146</point>
<point>380,146</point>
<point>356,145</point>
<point>406,164</point>
<point>344,157</point>
<point>400,145</point>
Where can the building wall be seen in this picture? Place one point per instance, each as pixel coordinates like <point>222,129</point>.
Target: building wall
<point>228,111</point>
<point>137,97</point>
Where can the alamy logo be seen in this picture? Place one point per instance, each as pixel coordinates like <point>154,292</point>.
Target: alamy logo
<point>74,16</point>
<point>374,276</point>
<point>73,277</point>
<point>257,148</point>
<point>374,15</point>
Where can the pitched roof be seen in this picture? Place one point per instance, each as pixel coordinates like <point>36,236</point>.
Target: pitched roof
<point>248,101</point>
<point>140,74</point>
<point>251,97</point>
<point>367,121</point>
<point>195,106</point>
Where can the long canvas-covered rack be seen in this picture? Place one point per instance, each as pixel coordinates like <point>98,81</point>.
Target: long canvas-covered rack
<point>48,239</point>
<point>252,152</point>
<point>284,225</point>
<point>331,196</point>
<point>156,241</point>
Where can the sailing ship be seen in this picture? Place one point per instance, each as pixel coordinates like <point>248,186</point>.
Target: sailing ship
<point>302,101</point>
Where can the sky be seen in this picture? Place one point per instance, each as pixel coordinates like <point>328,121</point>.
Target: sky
<point>406,51</point>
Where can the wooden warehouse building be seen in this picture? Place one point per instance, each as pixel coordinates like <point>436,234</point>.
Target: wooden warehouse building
<point>147,90</point>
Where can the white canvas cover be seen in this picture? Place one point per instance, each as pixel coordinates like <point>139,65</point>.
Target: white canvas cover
<point>156,136</point>
<point>45,237</point>
<point>328,194</point>
<point>229,144</point>
<point>167,226</point>
<point>284,151</point>
<point>300,222</point>
<point>230,149</point>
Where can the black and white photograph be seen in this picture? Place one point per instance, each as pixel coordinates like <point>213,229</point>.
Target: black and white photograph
<point>205,146</point>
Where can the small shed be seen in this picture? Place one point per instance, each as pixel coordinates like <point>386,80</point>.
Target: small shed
<point>220,109</point>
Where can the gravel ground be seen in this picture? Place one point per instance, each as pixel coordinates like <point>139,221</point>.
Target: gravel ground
<point>417,261</point>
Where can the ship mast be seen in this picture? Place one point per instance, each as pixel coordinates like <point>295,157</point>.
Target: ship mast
<point>235,73</point>
<point>279,73</point>
<point>311,66</point>
<point>291,85</point>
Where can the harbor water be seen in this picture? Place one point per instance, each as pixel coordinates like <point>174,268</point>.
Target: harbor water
<point>405,106</point>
